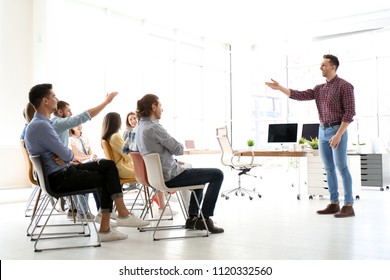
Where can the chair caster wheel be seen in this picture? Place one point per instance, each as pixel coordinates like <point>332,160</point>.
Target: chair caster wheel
<point>250,198</point>
<point>226,197</point>
<point>259,195</point>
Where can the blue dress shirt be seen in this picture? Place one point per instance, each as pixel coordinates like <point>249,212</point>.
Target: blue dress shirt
<point>42,139</point>
<point>62,125</point>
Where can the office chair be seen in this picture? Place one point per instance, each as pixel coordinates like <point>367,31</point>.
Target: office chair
<point>232,159</point>
<point>156,179</point>
<point>85,229</point>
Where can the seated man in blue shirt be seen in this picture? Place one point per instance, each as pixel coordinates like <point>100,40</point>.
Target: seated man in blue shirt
<point>41,139</point>
<point>151,137</point>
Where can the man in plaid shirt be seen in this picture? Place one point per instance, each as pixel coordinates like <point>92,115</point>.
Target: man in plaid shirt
<point>336,108</point>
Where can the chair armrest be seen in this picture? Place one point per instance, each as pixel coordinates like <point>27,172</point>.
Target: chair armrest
<point>237,154</point>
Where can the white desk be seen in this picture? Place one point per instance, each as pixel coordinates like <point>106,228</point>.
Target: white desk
<point>294,154</point>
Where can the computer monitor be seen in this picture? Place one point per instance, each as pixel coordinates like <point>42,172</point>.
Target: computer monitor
<point>310,130</point>
<point>282,133</point>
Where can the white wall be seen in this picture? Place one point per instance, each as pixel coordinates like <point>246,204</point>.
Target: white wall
<point>15,80</point>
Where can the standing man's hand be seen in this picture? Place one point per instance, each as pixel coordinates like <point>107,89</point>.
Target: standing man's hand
<point>273,85</point>
<point>335,141</point>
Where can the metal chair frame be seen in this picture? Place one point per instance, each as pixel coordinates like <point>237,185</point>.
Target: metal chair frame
<point>156,179</point>
<point>84,225</point>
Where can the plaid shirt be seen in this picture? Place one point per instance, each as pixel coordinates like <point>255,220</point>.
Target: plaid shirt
<point>335,100</point>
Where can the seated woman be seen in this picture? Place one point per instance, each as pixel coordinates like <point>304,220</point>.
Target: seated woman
<point>131,123</point>
<point>110,132</point>
<point>79,144</point>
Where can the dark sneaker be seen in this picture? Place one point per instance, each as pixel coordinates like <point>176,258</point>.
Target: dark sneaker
<point>346,211</point>
<point>332,208</point>
<point>190,223</point>
<point>210,225</point>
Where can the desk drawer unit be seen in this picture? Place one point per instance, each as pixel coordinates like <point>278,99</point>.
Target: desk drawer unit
<point>317,182</point>
<point>375,170</point>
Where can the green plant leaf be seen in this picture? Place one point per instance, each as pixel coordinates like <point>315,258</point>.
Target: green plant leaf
<point>250,142</point>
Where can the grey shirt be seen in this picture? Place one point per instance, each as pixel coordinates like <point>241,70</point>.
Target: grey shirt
<point>151,137</point>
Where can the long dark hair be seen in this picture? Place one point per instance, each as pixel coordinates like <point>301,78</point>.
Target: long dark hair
<point>111,124</point>
<point>144,105</point>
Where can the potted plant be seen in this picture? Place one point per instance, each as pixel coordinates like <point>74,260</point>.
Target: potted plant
<point>313,143</point>
<point>250,143</point>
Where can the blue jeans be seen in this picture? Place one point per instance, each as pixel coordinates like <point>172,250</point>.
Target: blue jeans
<point>199,176</point>
<point>332,158</point>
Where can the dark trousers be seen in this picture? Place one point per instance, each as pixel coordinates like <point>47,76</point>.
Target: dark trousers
<point>101,175</point>
<point>199,176</point>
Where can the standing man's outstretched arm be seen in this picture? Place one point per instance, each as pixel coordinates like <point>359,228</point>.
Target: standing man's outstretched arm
<point>275,85</point>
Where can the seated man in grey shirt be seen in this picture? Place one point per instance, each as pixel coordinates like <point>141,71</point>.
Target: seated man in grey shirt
<point>151,137</point>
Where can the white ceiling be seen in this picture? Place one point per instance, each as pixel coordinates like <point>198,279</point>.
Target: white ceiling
<point>258,20</point>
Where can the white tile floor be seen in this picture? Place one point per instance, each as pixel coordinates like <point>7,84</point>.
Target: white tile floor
<point>275,227</point>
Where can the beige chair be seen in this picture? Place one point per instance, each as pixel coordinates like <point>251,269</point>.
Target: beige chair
<point>36,193</point>
<point>156,179</point>
<point>74,230</point>
<point>109,155</point>
<point>233,159</point>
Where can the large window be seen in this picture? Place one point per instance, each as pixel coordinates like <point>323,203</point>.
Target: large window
<point>363,62</point>
<point>97,51</point>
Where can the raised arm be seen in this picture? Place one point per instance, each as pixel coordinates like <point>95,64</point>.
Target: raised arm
<point>276,86</point>
<point>96,110</point>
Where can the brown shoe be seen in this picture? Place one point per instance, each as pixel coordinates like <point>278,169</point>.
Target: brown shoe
<point>330,209</point>
<point>190,223</point>
<point>346,211</point>
<point>210,225</point>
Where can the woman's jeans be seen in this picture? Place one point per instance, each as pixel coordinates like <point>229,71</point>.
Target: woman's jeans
<point>200,176</point>
<point>332,158</point>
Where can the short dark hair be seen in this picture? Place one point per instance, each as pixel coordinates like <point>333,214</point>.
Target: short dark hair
<point>333,60</point>
<point>144,105</point>
<point>38,92</point>
<point>61,105</point>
